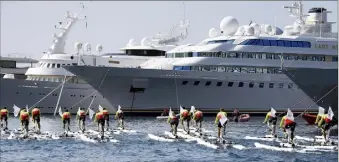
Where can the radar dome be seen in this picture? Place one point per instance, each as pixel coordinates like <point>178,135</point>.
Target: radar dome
<point>268,28</point>
<point>213,32</point>
<point>229,25</point>
<point>241,30</point>
<point>99,47</point>
<point>144,42</point>
<point>131,42</point>
<point>250,30</point>
<point>88,47</point>
<point>78,45</point>
<point>297,29</point>
<point>256,28</point>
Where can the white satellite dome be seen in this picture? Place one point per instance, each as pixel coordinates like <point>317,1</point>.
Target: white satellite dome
<point>78,45</point>
<point>131,42</point>
<point>229,25</point>
<point>256,28</point>
<point>297,29</point>
<point>145,41</point>
<point>213,32</point>
<point>250,30</point>
<point>268,28</point>
<point>99,47</point>
<point>241,30</point>
<point>88,47</point>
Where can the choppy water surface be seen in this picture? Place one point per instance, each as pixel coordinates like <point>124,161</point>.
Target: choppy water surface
<point>139,147</point>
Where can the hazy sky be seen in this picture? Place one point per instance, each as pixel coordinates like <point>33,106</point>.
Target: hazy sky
<point>27,27</point>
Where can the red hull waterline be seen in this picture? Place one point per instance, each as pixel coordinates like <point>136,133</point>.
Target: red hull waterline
<point>310,119</point>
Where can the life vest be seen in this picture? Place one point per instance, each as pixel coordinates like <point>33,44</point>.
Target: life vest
<point>120,114</point>
<point>174,118</point>
<point>105,112</point>
<point>185,113</point>
<point>327,119</point>
<point>288,121</point>
<point>100,116</point>
<point>4,112</point>
<point>66,115</point>
<point>82,113</point>
<point>198,114</point>
<point>24,116</point>
<point>35,111</point>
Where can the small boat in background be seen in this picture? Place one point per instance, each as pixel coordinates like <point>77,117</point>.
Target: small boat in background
<point>244,118</point>
<point>309,118</point>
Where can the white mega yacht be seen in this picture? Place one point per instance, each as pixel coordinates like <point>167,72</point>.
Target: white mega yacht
<point>49,86</point>
<point>237,67</point>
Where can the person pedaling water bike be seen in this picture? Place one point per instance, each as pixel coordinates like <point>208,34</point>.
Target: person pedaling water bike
<point>198,118</point>
<point>66,118</point>
<point>326,122</point>
<point>174,122</point>
<point>288,125</point>
<point>106,116</point>
<point>119,115</point>
<point>81,118</point>
<point>185,116</point>
<point>100,119</point>
<point>24,120</point>
<point>221,116</point>
<point>36,119</point>
<point>271,120</point>
<point>4,115</point>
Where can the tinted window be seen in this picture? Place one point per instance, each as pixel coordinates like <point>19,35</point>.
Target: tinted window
<point>271,85</point>
<point>306,44</point>
<point>251,85</point>
<point>230,84</point>
<point>273,43</point>
<point>48,65</point>
<point>255,42</point>
<point>241,84</point>
<point>196,82</point>
<point>287,43</point>
<point>208,83</point>
<point>280,43</point>
<point>53,65</point>
<point>300,44</point>
<point>260,42</point>
<point>261,85</point>
<point>266,42</point>
<point>290,85</point>
<point>184,82</point>
<point>58,65</point>
<point>219,84</point>
<point>294,44</point>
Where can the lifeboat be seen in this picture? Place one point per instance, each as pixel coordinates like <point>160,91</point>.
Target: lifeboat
<point>309,118</point>
<point>244,118</point>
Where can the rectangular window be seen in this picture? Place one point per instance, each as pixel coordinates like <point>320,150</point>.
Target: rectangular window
<point>58,65</point>
<point>276,57</point>
<point>208,83</point>
<point>241,84</point>
<point>258,56</point>
<point>75,64</point>
<point>268,56</point>
<point>251,85</point>
<point>259,70</point>
<point>271,85</point>
<point>219,84</point>
<point>306,44</point>
<point>184,82</point>
<point>230,84</point>
<point>300,44</point>
<point>261,85</point>
<point>196,82</point>
<point>290,85</point>
<point>53,65</point>
<point>260,42</point>
<point>244,70</point>
<point>281,85</point>
<point>48,65</point>
<point>244,55</point>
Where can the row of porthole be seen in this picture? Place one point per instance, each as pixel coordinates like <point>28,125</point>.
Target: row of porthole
<point>42,94</point>
<point>241,84</point>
